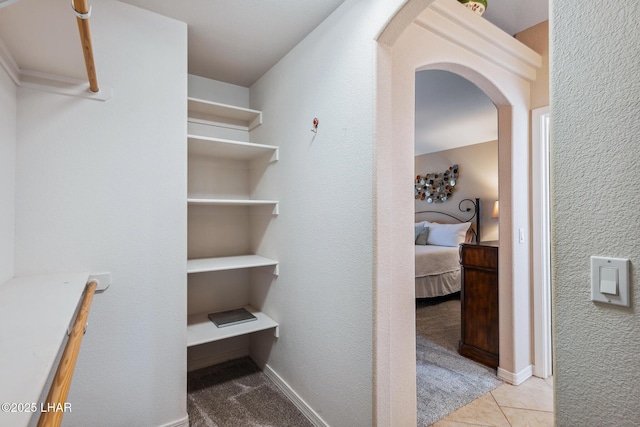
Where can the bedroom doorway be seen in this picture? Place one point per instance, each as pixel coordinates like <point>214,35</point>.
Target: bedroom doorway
<point>400,52</point>
<point>456,123</point>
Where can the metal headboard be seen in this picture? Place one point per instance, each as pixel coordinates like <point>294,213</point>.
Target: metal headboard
<point>470,206</point>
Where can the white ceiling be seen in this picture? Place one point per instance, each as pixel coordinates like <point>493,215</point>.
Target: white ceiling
<point>451,112</point>
<point>42,35</point>
<point>513,16</point>
<point>237,41</point>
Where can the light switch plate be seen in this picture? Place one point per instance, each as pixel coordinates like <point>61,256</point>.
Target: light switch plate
<point>604,274</point>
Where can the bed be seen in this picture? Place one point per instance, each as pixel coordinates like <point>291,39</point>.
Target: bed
<point>437,259</point>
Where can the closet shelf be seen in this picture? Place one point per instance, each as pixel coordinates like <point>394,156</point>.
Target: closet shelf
<point>230,149</point>
<point>201,330</point>
<point>208,127</point>
<point>35,314</point>
<point>231,202</point>
<point>202,265</point>
<point>208,112</point>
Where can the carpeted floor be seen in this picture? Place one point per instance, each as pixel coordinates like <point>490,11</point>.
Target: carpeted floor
<point>238,394</point>
<point>446,381</point>
<point>438,319</point>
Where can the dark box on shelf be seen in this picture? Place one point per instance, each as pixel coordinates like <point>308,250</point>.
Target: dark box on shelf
<point>231,317</point>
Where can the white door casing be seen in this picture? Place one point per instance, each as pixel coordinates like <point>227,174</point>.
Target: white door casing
<point>440,34</point>
<point>541,242</point>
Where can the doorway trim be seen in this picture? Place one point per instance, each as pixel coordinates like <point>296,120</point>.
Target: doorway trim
<point>541,242</point>
<point>454,40</point>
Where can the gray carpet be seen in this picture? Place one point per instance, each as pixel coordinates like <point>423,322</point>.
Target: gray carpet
<point>446,381</point>
<point>238,394</point>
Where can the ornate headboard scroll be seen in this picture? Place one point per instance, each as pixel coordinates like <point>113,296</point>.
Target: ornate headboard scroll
<point>465,206</point>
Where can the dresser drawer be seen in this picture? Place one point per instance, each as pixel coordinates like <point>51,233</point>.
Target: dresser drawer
<point>479,256</point>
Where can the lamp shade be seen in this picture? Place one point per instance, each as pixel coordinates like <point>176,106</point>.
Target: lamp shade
<point>496,210</point>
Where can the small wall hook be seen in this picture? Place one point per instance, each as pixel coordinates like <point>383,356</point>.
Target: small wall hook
<point>315,125</point>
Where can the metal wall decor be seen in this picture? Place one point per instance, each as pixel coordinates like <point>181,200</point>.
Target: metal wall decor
<point>436,187</point>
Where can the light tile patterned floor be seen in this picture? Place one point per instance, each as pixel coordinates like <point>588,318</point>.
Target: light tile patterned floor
<point>530,404</point>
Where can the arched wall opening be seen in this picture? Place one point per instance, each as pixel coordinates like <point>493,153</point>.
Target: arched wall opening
<point>438,34</point>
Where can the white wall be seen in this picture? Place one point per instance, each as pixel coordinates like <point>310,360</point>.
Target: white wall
<point>217,91</point>
<point>101,186</point>
<point>595,159</point>
<point>478,178</point>
<point>323,236</point>
<point>8,111</point>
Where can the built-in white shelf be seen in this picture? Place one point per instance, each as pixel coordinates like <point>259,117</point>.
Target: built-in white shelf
<point>203,265</point>
<point>201,330</point>
<point>230,149</point>
<point>209,125</point>
<point>231,202</point>
<point>203,111</point>
<point>35,313</point>
<point>235,202</point>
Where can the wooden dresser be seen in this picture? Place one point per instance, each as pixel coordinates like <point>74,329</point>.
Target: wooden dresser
<point>479,302</point>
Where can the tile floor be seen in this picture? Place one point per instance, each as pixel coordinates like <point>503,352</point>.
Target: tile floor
<point>529,404</point>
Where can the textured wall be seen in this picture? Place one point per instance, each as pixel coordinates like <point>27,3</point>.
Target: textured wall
<point>595,158</point>
<point>8,110</point>
<point>101,186</point>
<point>323,236</point>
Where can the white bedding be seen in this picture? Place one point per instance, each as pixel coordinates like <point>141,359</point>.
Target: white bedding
<point>432,260</point>
<point>437,270</point>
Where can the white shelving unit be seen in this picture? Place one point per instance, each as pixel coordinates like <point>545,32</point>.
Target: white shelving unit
<point>203,265</point>
<point>235,202</point>
<point>231,202</point>
<point>210,116</point>
<point>230,149</point>
<point>201,330</point>
<point>208,112</point>
<point>35,312</point>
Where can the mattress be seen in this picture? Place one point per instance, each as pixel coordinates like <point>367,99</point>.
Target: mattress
<point>437,270</point>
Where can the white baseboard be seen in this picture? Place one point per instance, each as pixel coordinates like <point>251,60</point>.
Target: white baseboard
<point>216,358</point>
<point>515,378</point>
<point>541,372</point>
<point>182,422</point>
<point>295,399</point>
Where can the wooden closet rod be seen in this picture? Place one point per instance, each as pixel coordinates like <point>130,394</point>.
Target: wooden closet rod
<point>57,396</point>
<point>82,12</point>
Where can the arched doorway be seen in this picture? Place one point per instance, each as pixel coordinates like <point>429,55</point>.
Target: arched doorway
<point>432,34</point>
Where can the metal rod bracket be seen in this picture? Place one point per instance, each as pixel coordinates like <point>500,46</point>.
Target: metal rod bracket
<point>79,14</point>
